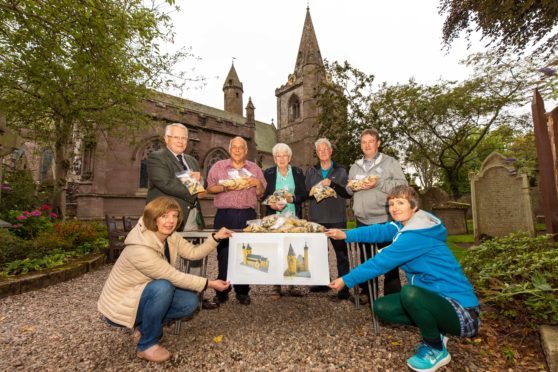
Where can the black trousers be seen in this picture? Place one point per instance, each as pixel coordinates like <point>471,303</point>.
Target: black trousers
<point>231,219</point>
<point>392,283</point>
<point>340,249</point>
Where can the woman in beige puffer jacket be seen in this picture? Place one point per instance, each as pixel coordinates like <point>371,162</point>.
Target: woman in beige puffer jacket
<point>145,289</point>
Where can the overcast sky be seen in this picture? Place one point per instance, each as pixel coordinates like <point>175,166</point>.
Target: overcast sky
<point>393,40</point>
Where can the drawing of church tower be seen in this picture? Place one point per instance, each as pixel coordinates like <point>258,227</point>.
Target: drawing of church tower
<point>246,251</point>
<point>291,261</point>
<point>297,103</point>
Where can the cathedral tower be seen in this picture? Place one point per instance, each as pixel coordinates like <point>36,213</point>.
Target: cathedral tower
<point>297,107</point>
<point>233,91</point>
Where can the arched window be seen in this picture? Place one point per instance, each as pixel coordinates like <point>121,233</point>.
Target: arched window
<point>149,148</point>
<point>294,108</point>
<point>213,157</point>
<point>46,165</point>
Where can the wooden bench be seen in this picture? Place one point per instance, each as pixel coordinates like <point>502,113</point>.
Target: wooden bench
<point>116,238</point>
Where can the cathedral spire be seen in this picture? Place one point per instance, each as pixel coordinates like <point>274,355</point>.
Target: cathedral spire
<point>308,51</point>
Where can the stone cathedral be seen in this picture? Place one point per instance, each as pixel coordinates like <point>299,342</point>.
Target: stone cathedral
<point>111,178</point>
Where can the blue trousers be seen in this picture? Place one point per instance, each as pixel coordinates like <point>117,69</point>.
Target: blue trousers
<point>160,303</point>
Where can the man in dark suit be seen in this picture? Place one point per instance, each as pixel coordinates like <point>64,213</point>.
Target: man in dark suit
<point>162,166</point>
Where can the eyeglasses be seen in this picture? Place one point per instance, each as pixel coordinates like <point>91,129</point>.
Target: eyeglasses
<point>178,138</point>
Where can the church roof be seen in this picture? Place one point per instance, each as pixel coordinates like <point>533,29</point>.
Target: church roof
<point>266,136</point>
<point>232,79</point>
<point>308,51</point>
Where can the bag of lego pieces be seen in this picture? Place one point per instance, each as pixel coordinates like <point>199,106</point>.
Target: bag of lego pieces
<point>239,179</point>
<point>361,183</point>
<point>192,184</point>
<point>278,197</point>
<point>321,192</point>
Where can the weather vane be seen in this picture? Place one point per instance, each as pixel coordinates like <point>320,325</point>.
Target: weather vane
<point>233,58</point>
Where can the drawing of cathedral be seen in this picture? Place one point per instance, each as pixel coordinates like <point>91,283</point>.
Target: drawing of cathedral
<point>255,261</point>
<point>297,266</point>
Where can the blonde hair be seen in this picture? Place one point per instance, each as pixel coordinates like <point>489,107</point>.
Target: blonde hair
<point>158,207</point>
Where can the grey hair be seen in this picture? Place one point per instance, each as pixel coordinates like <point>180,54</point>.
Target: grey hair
<point>281,147</point>
<point>324,141</point>
<point>238,138</point>
<point>178,125</point>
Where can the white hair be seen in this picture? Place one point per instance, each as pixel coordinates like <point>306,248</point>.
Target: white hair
<point>324,141</point>
<point>178,125</point>
<point>241,139</point>
<point>281,147</point>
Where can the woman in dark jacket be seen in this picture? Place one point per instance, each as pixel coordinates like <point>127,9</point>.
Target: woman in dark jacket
<point>284,176</point>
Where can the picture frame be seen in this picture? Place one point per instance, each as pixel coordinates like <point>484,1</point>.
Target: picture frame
<point>278,258</point>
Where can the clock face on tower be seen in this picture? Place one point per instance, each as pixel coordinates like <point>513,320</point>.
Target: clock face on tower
<point>292,79</point>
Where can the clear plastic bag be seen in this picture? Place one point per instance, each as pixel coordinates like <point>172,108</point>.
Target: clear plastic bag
<point>283,224</point>
<point>238,179</point>
<point>192,184</point>
<point>321,192</point>
<point>278,197</point>
<point>359,183</point>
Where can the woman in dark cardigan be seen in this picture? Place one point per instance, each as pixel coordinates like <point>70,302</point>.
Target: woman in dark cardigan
<point>292,179</point>
<point>285,176</point>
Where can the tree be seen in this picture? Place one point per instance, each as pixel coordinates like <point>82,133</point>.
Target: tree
<point>80,66</point>
<point>344,102</point>
<point>446,122</point>
<point>509,24</point>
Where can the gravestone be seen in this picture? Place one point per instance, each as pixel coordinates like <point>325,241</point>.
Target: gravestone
<point>500,200</point>
<point>454,216</point>
<point>432,197</point>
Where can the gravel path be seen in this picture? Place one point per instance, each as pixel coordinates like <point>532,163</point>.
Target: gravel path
<point>59,328</point>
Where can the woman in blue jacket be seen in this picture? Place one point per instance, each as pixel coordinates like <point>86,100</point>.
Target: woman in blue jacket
<point>438,299</point>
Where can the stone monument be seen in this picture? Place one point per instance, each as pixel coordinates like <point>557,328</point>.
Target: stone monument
<point>500,200</point>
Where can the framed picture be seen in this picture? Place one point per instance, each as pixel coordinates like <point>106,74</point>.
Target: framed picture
<point>286,258</point>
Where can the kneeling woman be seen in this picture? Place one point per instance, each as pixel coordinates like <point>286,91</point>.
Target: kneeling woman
<point>438,299</point>
<point>144,288</point>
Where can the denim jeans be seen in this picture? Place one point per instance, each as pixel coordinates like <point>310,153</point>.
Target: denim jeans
<point>161,302</point>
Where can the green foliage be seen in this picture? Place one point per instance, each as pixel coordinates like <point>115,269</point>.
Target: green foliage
<point>18,192</point>
<point>344,101</point>
<point>13,248</point>
<point>510,25</point>
<point>70,67</point>
<point>76,232</point>
<point>26,265</point>
<point>28,225</point>
<point>53,258</point>
<point>509,353</point>
<point>66,236</point>
<point>468,238</point>
<point>445,123</point>
<point>517,274</point>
